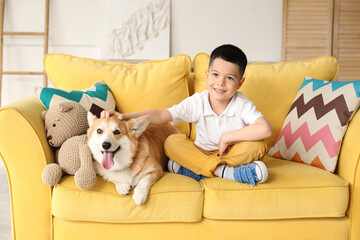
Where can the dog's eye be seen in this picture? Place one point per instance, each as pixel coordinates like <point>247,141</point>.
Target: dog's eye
<point>116,132</point>
<point>54,125</point>
<point>99,131</point>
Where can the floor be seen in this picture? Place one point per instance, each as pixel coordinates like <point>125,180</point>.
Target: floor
<point>5,222</point>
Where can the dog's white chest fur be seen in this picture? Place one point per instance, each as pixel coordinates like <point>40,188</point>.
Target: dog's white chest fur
<point>121,178</point>
<point>124,180</point>
<point>113,176</point>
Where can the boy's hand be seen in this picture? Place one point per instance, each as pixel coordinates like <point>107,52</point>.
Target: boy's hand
<point>107,114</point>
<point>223,145</point>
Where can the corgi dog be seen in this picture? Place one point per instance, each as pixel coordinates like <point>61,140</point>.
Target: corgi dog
<point>129,153</point>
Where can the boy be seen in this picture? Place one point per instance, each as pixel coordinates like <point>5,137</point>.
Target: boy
<point>228,126</point>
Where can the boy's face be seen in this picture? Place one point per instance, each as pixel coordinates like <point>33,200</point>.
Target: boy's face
<point>223,80</point>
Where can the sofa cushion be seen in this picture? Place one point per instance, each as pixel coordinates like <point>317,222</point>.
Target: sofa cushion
<point>94,99</point>
<point>174,198</point>
<point>157,84</point>
<point>272,87</point>
<point>316,123</point>
<point>293,190</point>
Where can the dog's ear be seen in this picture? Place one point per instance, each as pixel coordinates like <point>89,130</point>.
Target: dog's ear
<point>138,125</point>
<point>91,117</point>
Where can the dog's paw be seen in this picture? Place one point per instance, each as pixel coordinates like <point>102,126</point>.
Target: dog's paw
<point>140,195</point>
<point>122,188</point>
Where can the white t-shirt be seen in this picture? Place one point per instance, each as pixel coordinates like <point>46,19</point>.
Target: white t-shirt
<point>209,126</point>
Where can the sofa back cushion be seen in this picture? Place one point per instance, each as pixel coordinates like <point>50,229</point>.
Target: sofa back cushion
<point>148,85</point>
<point>272,87</point>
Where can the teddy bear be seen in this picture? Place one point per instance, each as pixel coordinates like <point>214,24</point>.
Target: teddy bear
<point>66,126</point>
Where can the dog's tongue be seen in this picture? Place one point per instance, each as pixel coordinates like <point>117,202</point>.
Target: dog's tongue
<point>107,161</point>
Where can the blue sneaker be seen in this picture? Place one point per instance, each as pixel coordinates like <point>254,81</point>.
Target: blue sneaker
<point>251,173</point>
<point>174,167</point>
<point>188,173</point>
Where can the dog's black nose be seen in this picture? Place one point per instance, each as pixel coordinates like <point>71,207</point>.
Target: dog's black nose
<point>106,145</point>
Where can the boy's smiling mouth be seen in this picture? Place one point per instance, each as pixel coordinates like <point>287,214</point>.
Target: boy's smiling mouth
<point>219,90</point>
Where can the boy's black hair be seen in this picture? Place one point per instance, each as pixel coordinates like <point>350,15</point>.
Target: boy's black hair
<point>230,53</point>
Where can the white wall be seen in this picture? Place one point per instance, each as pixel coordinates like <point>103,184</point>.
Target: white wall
<point>77,28</point>
<point>253,25</point>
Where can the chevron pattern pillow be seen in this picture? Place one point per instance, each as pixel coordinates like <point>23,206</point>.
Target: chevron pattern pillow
<point>94,99</point>
<point>316,123</point>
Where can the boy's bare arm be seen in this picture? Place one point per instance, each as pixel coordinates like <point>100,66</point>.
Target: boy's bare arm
<point>259,130</point>
<point>156,116</point>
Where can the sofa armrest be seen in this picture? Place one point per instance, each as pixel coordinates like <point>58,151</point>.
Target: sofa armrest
<point>25,152</point>
<point>349,169</point>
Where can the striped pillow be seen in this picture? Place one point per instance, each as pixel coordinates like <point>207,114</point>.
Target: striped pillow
<point>94,99</point>
<point>316,123</point>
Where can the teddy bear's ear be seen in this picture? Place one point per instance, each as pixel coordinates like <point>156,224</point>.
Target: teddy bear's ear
<point>43,115</point>
<point>91,117</point>
<point>65,106</point>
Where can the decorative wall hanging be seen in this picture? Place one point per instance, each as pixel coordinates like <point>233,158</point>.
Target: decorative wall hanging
<point>140,29</point>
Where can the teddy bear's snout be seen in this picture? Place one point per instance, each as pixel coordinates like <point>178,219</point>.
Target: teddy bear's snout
<point>49,137</point>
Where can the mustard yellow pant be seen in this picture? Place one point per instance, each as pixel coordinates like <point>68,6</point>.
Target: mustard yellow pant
<point>182,150</point>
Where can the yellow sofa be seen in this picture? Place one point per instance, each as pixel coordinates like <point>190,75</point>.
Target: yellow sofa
<point>297,202</point>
